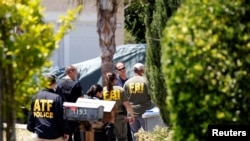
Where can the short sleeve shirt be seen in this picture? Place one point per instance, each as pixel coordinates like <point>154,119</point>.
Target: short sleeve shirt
<point>117,94</point>
<point>136,89</point>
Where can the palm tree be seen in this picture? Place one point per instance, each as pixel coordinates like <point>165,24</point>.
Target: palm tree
<point>106,27</point>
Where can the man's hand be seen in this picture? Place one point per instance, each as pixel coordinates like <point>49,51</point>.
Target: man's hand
<point>131,119</point>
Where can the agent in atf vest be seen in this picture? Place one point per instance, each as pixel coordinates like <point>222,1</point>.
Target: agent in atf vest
<point>136,89</point>
<point>70,89</point>
<point>46,115</point>
<point>116,93</point>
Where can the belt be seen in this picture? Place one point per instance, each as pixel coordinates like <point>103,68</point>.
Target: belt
<point>121,113</point>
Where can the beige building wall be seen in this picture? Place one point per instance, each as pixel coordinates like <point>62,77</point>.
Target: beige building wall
<point>89,14</point>
<point>82,43</point>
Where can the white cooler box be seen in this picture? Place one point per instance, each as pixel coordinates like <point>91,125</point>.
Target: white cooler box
<point>152,119</point>
<point>87,109</point>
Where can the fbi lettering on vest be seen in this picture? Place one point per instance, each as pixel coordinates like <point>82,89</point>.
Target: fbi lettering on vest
<point>136,88</point>
<point>112,95</point>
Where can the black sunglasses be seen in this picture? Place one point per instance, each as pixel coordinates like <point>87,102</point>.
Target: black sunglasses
<point>121,69</point>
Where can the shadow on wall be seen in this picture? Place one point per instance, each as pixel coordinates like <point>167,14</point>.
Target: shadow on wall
<point>90,70</point>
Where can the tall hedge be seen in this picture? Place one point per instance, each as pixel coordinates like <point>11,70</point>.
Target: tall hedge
<point>157,12</point>
<point>206,65</point>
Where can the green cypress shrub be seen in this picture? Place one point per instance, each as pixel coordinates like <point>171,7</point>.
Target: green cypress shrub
<point>206,65</point>
<point>157,13</point>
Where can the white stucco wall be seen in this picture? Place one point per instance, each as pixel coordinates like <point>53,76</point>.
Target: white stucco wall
<point>82,43</point>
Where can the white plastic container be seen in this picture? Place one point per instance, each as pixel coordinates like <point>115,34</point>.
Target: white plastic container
<point>152,119</point>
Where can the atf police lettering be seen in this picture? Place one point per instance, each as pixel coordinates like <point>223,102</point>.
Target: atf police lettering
<point>42,108</point>
<point>112,95</point>
<point>136,88</point>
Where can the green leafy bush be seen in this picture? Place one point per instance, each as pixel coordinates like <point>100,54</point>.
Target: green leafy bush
<point>205,61</point>
<point>157,12</point>
<point>26,43</point>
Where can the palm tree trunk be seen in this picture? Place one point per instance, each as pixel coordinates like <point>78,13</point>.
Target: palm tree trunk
<point>106,27</point>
